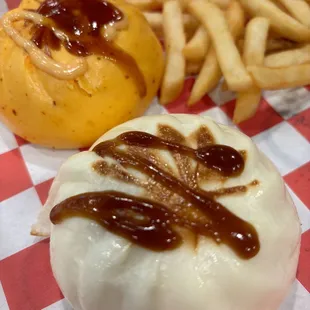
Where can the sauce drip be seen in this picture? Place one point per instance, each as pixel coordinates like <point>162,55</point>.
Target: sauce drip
<point>152,224</point>
<point>119,213</point>
<point>224,159</point>
<point>82,21</point>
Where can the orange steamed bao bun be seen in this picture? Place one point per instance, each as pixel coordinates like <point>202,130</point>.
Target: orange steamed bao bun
<point>70,107</point>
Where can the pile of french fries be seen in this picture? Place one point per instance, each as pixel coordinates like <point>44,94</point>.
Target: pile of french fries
<point>253,44</point>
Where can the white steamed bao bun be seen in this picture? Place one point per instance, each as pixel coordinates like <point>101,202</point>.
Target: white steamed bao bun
<point>96,269</point>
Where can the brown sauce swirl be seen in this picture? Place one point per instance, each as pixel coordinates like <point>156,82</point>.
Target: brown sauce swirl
<point>151,224</point>
<point>82,21</point>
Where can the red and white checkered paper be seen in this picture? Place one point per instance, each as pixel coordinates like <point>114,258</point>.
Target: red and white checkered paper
<point>281,129</point>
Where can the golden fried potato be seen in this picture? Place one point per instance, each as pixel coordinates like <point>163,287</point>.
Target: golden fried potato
<point>74,113</point>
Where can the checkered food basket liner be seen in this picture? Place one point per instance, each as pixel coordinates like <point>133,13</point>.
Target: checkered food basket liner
<point>280,129</point>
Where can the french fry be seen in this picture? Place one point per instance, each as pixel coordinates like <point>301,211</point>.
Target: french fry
<point>207,79</point>
<point>247,104</point>
<point>255,41</point>
<point>196,49</point>
<point>193,68</point>
<point>155,20</point>
<point>227,53</point>
<point>147,5</point>
<point>298,9</point>
<point>223,4</point>
<point>235,16</point>
<point>280,22</point>
<point>174,74</point>
<point>254,52</point>
<point>288,58</point>
<point>278,78</point>
<point>236,19</point>
<point>210,73</point>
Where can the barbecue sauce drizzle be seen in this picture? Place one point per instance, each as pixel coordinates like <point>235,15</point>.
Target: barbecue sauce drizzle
<point>151,224</point>
<point>82,21</point>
